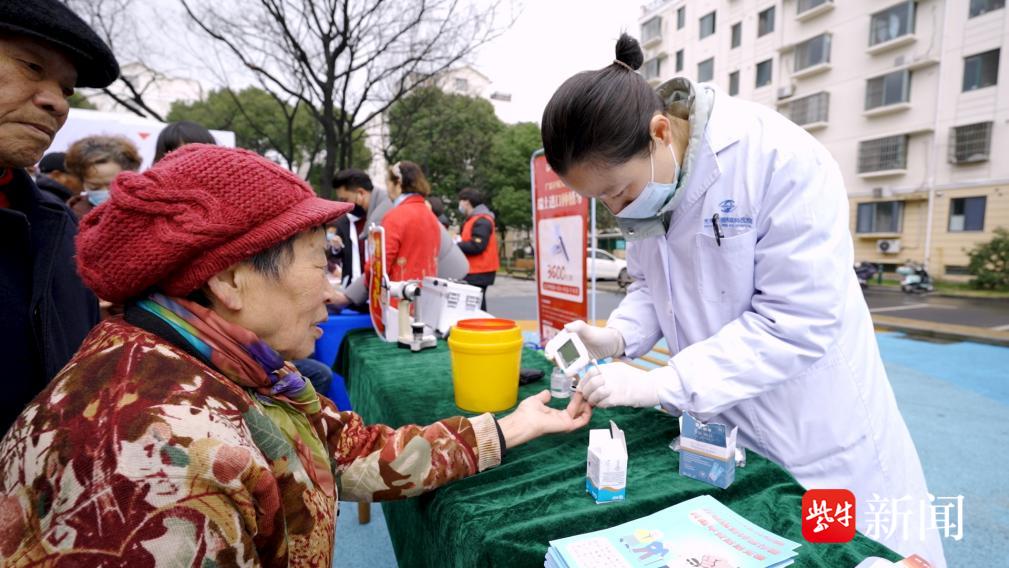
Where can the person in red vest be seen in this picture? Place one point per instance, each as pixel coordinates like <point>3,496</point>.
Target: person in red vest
<point>412,232</point>
<point>478,241</point>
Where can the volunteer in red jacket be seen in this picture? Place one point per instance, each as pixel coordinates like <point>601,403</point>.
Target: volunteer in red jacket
<point>412,232</point>
<point>478,241</point>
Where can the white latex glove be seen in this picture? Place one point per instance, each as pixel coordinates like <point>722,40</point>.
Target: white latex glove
<point>619,384</point>
<point>602,342</point>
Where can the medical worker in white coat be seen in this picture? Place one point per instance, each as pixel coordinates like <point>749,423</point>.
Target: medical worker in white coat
<point>738,240</point>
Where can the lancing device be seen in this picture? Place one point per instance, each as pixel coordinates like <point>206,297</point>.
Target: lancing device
<point>568,351</point>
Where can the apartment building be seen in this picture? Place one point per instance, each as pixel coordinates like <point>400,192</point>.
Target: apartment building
<point>909,96</point>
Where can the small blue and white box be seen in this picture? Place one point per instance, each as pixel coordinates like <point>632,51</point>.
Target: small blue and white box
<point>707,451</point>
<point>606,475</point>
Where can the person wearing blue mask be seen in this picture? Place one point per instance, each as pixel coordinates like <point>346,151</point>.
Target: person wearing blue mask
<point>739,243</point>
<point>97,160</point>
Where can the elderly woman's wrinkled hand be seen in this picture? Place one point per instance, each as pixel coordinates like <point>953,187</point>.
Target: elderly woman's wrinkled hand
<point>533,418</point>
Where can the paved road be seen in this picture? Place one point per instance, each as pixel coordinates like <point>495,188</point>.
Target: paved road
<point>516,299</point>
<point>991,314</point>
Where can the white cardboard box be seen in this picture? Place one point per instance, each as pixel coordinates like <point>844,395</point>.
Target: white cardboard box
<point>606,475</point>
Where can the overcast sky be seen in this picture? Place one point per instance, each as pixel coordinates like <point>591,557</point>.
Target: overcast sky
<point>550,41</point>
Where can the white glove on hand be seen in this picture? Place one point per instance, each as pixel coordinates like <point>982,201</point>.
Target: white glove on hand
<point>602,342</point>
<point>619,384</point>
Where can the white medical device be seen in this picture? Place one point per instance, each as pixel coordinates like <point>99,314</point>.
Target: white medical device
<point>394,324</point>
<point>568,351</point>
<point>445,302</point>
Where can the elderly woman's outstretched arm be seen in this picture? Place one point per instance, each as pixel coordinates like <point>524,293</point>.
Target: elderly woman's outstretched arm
<point>379,463</point>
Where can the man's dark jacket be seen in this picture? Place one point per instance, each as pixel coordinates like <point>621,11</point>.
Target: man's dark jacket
<point>45,310</point>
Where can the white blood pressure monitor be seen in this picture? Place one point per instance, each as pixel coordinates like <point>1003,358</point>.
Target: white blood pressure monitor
<point>568,352</point>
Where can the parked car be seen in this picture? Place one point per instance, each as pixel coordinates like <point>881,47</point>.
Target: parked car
<point>609,267</point>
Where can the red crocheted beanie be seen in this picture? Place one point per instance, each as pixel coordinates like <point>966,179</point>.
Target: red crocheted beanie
<point>198,211</point>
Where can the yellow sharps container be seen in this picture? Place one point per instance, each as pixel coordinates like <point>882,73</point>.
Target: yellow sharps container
<point>486,356</point>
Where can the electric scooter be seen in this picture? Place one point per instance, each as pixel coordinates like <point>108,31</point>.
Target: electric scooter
<point>865,271</point>
<point>916,279</point>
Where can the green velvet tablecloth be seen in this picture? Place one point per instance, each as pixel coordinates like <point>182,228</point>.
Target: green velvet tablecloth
<point>506,516</point>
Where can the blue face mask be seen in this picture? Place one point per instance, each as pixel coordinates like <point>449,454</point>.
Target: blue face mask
<point>97,196</point>
<point>654,196</point>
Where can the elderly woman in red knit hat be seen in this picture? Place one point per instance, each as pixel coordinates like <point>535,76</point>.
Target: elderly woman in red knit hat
<point>179,432</point>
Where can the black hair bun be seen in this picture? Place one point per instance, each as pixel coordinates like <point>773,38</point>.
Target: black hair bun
<point>629,52</point>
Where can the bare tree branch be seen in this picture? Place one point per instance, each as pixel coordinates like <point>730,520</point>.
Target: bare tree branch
<point>344,61</point>
<point>111,20</point>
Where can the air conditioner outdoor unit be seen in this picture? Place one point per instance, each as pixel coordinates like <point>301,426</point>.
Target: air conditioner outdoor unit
<point>888,246</point>
<point>786,91</point>
<point>877,192</point>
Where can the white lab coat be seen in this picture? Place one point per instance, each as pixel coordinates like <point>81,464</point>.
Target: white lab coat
<point>769,331</point>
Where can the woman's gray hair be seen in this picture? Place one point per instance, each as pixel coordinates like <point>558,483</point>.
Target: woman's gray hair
<point>270,263</point>
<point>93,150</point>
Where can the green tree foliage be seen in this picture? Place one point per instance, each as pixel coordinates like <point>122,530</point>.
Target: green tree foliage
<point>265,125</point>
<point>78,100</point>
<point>605,220</point>
<point>460,142</point>
<point>507,174</point>
<point>450,136</point>
<point>989,262</point>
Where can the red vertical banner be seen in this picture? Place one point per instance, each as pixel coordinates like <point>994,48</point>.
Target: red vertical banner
<point>376,276</point>
<point>560,222</point>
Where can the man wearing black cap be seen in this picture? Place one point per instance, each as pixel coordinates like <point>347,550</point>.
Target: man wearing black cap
<point>45,51</point>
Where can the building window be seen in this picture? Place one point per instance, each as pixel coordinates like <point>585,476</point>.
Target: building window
<point>763,73</point>
<point>706,70</point>
<point>892,23</point>
<point>970,143</point>
<point>765,22</point>
<point>737,35</point>
<point>679,61</point>
<point>733,83</point>
<point>981,70</point>
<point>883,154</point>
<point>460,84</point>
<point>681,17</point>
<point>966,214</point>
<point>813,51</point>
<point>651,29</point>
<point>889,89</point>
<point>880,217</point>
<point>981,7</point>
<point>807,5</point>
<point>707,25</point>
<point>808,110</point>
<point>652,69</point>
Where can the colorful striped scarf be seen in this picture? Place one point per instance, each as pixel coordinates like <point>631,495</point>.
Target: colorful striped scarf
<point>286,397</point>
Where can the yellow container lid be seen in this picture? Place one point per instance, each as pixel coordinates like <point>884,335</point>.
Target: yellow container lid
<point>485,331</point>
